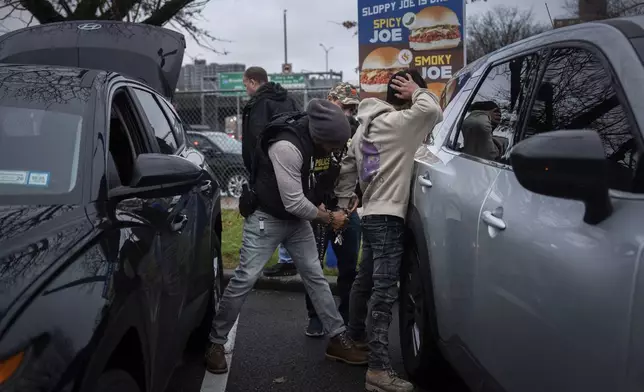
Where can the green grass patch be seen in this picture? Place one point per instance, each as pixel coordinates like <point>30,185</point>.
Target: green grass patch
<point>232,224</point>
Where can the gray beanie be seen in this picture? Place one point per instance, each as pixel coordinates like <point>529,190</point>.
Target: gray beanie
<point>327,122</point>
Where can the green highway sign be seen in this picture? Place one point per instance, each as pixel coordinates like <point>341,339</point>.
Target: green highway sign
<point>289,80</point>
<point>558,23</point>
<point>230,81</point>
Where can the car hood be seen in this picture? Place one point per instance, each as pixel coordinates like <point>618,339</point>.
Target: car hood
<point>148,53</point>
<point>32,238</point>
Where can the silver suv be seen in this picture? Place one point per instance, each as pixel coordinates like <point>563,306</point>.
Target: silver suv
<point>527,226</point>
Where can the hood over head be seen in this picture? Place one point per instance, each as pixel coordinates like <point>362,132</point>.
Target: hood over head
<point>327,123</point>
<point>369,109</point>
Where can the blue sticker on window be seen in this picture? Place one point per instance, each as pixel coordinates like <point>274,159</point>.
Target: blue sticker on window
<point>38,179</point>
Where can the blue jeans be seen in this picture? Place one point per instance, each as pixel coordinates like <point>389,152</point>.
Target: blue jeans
<point>347,255</point>
<point>261,235</point>
<point>375,289</point>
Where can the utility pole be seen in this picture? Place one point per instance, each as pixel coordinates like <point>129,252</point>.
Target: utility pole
<point>285,44</point>
<point>326,53</point>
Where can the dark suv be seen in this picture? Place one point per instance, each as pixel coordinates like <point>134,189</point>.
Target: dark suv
<point>110,220</point>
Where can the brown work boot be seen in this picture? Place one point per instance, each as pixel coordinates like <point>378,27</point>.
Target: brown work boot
<point>361,344</point>
<point>216,359</point>
<point>341,348</point>
<point>386,381</point>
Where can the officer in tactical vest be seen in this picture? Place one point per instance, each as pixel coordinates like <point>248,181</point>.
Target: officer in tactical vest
<point>280,212</point>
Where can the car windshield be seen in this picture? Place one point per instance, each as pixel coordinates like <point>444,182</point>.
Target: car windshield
<point>224,142</point>
<point>40,138</point>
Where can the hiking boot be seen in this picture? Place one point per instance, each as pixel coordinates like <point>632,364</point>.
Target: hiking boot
<point>315,328</point>
<point>280,269</point>
<point>216,359</point>
<point>386,381</point>
<point>361,345</point>
<point>342,349</point>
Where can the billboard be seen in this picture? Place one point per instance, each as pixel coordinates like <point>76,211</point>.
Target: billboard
<point>426,35</point>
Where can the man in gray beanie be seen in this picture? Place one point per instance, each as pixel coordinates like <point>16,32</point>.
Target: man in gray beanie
<point>281,213</point>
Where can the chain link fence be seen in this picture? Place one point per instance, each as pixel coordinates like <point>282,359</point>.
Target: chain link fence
<point>215,120</point>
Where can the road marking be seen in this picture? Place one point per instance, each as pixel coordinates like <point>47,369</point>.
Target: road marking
<point>217,382</point>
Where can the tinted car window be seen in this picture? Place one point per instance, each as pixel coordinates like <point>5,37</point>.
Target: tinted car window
<point>489,124</point>
<point>162,130</point>
<point>175,122</point>
<point>40,138</point>
<point>577,92</point>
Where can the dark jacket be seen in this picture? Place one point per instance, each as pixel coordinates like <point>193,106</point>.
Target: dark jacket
<point>270,99</point>
<point>265,182</point>
<point>326,172</point>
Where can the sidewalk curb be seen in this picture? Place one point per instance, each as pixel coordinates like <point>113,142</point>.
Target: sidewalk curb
<point>291,284</point>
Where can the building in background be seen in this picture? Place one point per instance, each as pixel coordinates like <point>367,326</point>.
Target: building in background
<point>200,76</point>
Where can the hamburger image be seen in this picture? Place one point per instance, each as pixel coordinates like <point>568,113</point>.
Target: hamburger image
<point>448,93</point>
<point>435,28</point>
<point>378,67</point>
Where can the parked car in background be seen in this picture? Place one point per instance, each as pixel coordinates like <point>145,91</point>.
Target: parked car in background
<point>200,128</point>
<point>224,156</point>
<point>524,262</point>
<point>110,221</point>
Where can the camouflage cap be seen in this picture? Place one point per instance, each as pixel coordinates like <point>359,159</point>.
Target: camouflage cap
<point>345,93</point>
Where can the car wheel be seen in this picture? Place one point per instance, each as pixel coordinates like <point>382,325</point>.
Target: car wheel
<point>116,380</point>
<point>235,183</point>
<point>419,349</point>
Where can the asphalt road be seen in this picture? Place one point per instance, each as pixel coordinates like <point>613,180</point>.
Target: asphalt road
<point>272,353</point>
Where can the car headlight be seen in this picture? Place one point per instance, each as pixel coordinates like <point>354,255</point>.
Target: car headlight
<point>10,365</point>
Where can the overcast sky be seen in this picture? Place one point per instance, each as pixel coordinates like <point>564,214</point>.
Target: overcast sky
<point>255,29</point>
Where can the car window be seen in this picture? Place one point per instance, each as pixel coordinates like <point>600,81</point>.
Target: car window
<point>125,140</point>
<point>224,142</point>
<point>177,125</point>
<point>155,115</point>
<point>40,138</point>
<point>577,92</point>
<point>487,128</point>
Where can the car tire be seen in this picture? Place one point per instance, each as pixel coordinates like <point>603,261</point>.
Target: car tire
<point>116,380</point>
<point>421,355</point>
<point>234,182</point>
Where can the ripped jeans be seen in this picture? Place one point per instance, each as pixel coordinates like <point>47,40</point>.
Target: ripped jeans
<point>376,287</point>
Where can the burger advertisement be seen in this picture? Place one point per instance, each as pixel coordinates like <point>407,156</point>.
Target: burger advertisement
<point>426,35</point>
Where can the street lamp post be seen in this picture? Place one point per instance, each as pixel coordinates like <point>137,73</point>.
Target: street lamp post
<point>326,53</point>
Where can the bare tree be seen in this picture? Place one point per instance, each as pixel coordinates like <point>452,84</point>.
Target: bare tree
<point>180,14</point>
<point>615,8</point>
<point>499,27</point>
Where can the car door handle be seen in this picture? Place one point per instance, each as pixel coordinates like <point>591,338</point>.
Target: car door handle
<point>493,221</point>
<point>178,223</point>
<point>424,180</point>
<point>206,187</point>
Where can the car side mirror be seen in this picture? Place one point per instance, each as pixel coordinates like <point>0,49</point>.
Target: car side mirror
<point>160,175</point>
<point>568,164</point>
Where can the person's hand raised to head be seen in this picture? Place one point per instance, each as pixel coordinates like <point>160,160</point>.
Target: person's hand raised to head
<point>406,87</point>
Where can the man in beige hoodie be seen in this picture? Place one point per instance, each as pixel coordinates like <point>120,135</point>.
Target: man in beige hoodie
<point>381,157</point>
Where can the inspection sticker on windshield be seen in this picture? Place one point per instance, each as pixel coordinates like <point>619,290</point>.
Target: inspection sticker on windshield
<point>38,178</point>
<point>13,177</point>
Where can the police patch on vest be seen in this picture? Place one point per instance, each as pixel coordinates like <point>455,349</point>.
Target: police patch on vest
<point>322,164</point>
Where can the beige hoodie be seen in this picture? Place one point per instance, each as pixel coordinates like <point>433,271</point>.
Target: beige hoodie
<point>381,153</point>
